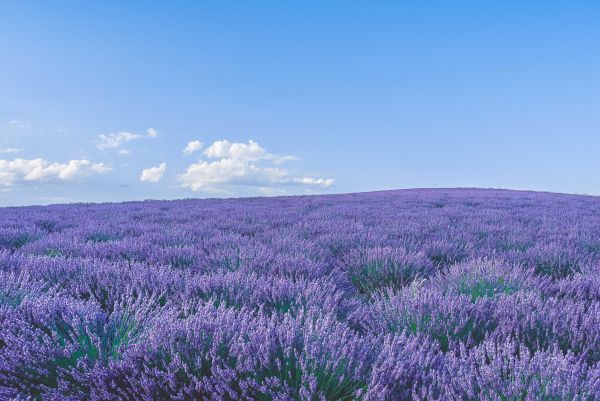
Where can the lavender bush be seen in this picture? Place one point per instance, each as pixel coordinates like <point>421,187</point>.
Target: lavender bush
<point>401,295</point>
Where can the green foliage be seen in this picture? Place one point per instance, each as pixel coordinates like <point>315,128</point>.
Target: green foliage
<point>374,276</point>
<point>12,297</point>
<point>54,252</point>
<point>323,382</point>
<point>486,288</point>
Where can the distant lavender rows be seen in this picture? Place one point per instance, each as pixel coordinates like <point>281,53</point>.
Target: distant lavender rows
<point>400,295</point>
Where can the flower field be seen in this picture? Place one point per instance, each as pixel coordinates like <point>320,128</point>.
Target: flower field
<point>396,295</point>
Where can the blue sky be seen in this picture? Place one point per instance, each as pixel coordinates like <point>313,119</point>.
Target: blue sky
<point>295,97</point>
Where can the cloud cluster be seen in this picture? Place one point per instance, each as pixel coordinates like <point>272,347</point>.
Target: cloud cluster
<point>224,167</point>
<point>153,174</point>
<point>244,164</point>
<point>23,170</point>
<point>115,141</point>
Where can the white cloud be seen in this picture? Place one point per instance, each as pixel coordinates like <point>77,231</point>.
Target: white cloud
<point>241,164</point>
<point>238,151</point>
<point>317,182</point>
<point>16,124</point>
<point>211,176</point>
<point>10,150</point>
<point>153,174</point>
<point>97,167</point>
<point>250,151</point>
<point>115,141</point>
<point>22,170</point>
<point>192,146</point>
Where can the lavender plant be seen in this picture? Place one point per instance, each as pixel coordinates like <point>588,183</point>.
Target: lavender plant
<point>400,295</point>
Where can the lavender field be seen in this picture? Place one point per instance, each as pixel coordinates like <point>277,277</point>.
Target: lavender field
<point>397,295</point>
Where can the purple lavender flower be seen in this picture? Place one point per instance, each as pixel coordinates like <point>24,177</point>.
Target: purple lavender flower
<point>400,295</point>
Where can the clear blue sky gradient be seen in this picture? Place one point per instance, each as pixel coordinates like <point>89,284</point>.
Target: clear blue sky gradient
<point>377,95</point>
